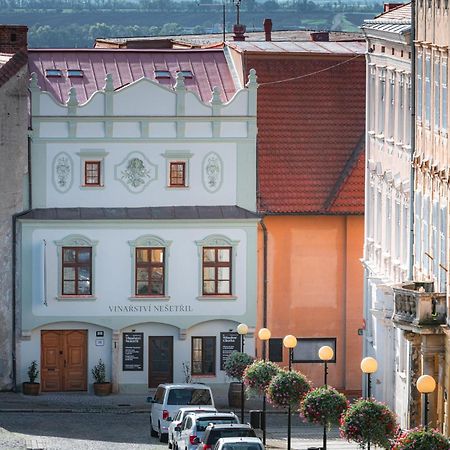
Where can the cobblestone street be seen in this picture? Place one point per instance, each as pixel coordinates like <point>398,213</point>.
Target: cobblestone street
<point>122,431</point>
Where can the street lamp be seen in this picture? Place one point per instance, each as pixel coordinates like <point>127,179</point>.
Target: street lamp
<point>289,342</point>
<point>326,354</point>
<point>242,329</point>
<point>369,365</point>
<point>264,335</point>
<point>426,385</point>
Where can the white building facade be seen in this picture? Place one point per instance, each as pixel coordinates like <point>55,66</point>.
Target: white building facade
<point>141,249</point>
<point>388,172</point>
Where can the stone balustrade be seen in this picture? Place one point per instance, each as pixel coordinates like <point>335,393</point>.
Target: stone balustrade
<point>415,303</point>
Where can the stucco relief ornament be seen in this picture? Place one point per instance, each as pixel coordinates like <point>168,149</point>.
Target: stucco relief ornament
<point>135,172</point>
<point>212,172</point>
<point>63,172</point>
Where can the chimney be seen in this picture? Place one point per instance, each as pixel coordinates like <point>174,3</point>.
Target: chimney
<point>391,6</point>
<point>13,38</point>
<point>239,32</point>
<point>320,36</point>
<point>268,29</point>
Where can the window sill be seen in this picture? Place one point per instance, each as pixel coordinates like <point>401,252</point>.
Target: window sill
<point>178,188</point>
<point>217,297</point>
<point>76,297</point>
<point>149,297</point>
<point>93,186</point>
<point>198,375</point>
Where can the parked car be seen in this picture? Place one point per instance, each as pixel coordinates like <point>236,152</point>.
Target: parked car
<point>182,412</point>
<point>169,398</point>
<point>193,427</point>
<point>214,432</point>
<point>241,443</point>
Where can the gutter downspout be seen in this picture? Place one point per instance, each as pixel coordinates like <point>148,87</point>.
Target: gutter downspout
<point>413,139</point>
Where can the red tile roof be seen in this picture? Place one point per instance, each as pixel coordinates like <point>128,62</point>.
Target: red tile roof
<point>209,68</point>
<point>310,132</point>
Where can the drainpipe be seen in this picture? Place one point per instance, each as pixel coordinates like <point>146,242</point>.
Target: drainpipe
<point>264,316</point>
<point>413,138</point>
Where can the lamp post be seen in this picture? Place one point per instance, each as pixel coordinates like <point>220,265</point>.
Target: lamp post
<point>289,342</point>
<point>242,329</point>
<point>426,385</point>
<point>264,335</point>
<point>369,365</point>
<point>326,354</point>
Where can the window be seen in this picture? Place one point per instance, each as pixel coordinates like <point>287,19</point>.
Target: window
<point>162,74</point>
<point>419,85</point>
<point>53,73</point>
<point>186,73</point>
<point>437,88</point>
<point>76,270</point>
<point>177,174</point>
<point>149,271</point>
<point>92,173</point>
<point>444,95</point>
<point>216,270</point>
<point>427,90</point>
<point>203,356</point>
<point>74,73</point>
<point>276,349</point>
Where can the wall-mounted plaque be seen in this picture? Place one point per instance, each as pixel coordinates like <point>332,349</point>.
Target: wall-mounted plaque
<point>229,342</point>
<point>133,351</point>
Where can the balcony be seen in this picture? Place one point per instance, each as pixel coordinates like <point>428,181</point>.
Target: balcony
<point>415,303</point>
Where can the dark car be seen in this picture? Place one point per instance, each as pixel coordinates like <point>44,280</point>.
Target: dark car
<point>214,432</point>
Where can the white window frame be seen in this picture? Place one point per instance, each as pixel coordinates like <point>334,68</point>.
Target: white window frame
<point>174,156</point>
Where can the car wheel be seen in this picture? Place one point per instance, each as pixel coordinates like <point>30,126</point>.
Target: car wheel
<point>169,444</point>
<point>153,433</point>
<point>162,437</point>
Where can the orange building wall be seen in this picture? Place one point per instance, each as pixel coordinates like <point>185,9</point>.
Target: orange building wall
<point>315,288</point>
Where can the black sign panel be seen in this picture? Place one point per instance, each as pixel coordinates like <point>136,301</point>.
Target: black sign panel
<point>307,349</point>
<point>229,343</point>
<point>133,351</point>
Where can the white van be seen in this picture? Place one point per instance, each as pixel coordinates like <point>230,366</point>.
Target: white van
<point>169,398</point>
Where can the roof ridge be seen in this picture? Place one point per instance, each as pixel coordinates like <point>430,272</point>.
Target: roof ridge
<point>346,171</point>
<point>13,65</point>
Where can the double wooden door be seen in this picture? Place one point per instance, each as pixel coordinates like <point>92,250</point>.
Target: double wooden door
<point>160,360</point>
<point>63,360</point>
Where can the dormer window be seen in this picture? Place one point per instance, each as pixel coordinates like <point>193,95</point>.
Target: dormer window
<point>186,73</point>
<point>53,73</point>
<point>76,73</point>
<point>162,74</point>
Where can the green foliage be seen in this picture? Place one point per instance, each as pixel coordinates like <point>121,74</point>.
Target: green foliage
<point>324,406</point>
<point>258,376</point>
<point>33,372</point>
<point>367,420</point>
<point>99,372</point>
<point>421,439</point>
<point>236,363</point>
<point>287,388</point>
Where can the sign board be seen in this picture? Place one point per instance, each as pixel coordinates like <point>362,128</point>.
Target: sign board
<point>307,349</point>
<point>133,351</point>
<point>229,342</point>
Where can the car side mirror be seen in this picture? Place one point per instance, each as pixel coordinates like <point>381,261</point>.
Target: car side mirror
<point>178,428</point>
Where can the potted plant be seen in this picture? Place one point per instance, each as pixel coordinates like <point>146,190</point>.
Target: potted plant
<point>257,376</point>
<point>419,439</point>
<point>366,421</point>
<point>101,386</point>
<point>288,388</point>
<point>234,367</point>
<point>31,387</point>
<point>324,406</point>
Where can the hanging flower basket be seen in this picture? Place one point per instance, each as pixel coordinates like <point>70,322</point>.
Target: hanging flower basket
<point>258,375</point>
<point>324,406</point>
<point>287,388</point>
<point>236,364</point>
<point>369,421</point>
<point>421,439</point>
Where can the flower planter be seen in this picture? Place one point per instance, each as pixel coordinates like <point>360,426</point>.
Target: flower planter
<point>31,388</point>
<point>102,389</point>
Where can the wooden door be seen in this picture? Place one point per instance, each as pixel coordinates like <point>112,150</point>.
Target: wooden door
<point>160,360</point>
<point>64,360</point>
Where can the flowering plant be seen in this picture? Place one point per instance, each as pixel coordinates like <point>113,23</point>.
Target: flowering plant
<point>287,389</point>
<point>236,364</point>
<point>421,439</point>
<point>258,375</point>
<point>324,406</point>
<point>367,420</point>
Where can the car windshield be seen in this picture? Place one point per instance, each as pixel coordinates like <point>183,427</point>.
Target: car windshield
<point>230,432</point>
<point>189,397</point>
<point>241,446</point>
<point>205,421</point>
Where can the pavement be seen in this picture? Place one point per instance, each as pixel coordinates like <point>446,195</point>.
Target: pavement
<point>304,436</point>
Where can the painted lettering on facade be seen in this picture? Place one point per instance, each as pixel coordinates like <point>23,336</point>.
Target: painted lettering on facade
<point>150,308</point>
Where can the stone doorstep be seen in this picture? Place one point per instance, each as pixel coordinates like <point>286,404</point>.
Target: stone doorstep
<point>35,444</point>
